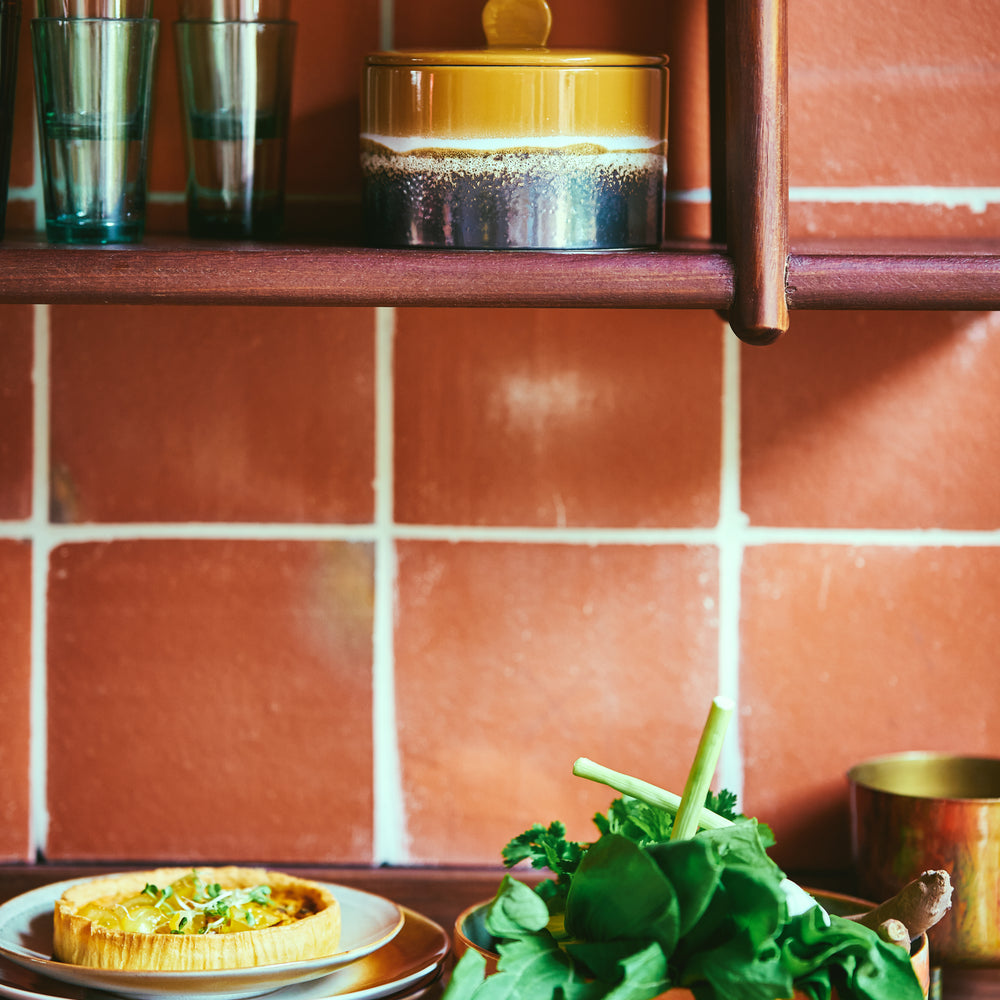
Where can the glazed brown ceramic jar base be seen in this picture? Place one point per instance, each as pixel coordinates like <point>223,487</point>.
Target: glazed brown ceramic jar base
<point>578,198</point>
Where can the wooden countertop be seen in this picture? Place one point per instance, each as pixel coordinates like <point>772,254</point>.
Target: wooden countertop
<point>442,894</point>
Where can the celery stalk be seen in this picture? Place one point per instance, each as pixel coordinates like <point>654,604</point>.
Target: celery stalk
<point>637,789</point>
<point>700,776</point>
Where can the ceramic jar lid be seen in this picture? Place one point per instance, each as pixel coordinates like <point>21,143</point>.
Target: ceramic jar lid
<point>515,87</point>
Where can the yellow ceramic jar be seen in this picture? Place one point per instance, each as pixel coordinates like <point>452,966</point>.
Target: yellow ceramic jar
<point>514,146</point>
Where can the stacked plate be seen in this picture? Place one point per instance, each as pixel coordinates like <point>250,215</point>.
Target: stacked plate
<point>388,951</point>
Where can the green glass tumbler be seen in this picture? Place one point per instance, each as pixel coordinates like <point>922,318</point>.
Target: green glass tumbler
<point>93,87</point>
<point>236,84</point>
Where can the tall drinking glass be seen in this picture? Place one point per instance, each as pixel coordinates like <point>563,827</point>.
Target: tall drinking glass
<point>236,85</point>
<point>10,24</point>
<point>93,85</point>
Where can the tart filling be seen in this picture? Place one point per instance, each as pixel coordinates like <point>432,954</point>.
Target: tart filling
<point>184,919</point>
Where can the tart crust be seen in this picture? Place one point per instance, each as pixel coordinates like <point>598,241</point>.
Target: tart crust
<point>79,941</point>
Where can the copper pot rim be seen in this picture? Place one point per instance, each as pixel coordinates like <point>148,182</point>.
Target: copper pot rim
<point>949,777</point>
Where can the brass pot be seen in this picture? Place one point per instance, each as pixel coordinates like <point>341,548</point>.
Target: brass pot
<point>916,812</point>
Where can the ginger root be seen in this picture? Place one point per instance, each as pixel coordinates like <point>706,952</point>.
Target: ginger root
<point>918,906</point>
<point>895,932</point>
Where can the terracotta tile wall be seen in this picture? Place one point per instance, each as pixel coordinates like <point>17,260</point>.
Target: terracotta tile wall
<point>356,586</point>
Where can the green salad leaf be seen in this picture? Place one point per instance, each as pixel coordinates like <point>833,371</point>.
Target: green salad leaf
<point>633,914</point>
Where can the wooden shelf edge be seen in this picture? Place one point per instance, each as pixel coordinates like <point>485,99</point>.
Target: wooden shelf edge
<point>185,273</point>
<point>959,281</point>
<point>685,277</point>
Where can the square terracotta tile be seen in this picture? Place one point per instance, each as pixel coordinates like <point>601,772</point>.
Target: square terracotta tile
<point>547,417</point>
<point>514,660</point>
<point>20,216</point>
<point>210,700</point>
<point>874,420</point>
<point>212,414</point>
<point>15,700</point>
<point>16,411</point>
<point>437,24</point>
<point>971,219</point>
<point>167,156</point>
<point>166,217</point>
<point>896,94</point>
<point>323,148</point>
<point>854,652</point>
<point>596,24</point>
<point>918,33</point>
<point>897,129</point>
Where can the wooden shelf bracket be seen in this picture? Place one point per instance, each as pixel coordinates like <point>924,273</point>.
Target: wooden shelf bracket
<point>756,166</point>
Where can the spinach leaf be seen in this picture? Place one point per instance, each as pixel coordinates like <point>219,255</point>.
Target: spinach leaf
<point>467,976</point>
<point>517,910</point>
<point>843,955</point>
<point>692,867</point>
<point>739,969</point>
<point>619,893</point>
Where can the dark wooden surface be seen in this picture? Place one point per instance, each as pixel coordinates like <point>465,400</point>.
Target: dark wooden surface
<point>914,275</point>
<point>443,893</point>
<point>933,280</point>
<point>757,166</point>
<point>182,271</point>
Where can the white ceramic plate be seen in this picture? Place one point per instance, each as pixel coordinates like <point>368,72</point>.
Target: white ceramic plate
<point>368,922</point>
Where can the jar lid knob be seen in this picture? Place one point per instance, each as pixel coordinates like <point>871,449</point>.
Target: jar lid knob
<point>517,24</point>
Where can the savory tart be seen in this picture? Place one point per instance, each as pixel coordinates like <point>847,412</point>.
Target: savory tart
<point>190,919</point>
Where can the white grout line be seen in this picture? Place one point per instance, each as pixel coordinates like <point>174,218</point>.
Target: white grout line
<point>732,524</point>
<point>40,549</point>
<point>389,821</point>
<point>889,537</point>
<point>976,199</point>
<point>557,535</point>
<point>60,534</point>
<point>77,533</point>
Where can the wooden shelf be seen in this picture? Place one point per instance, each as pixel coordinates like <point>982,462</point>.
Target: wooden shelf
<point>921,276</point>
<point>187,272</point>
<point>748,273</point>
<point>827,276</point>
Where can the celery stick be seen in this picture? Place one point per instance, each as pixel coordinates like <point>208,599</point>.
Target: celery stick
<point>637,789</point>
<point>700,777</point>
